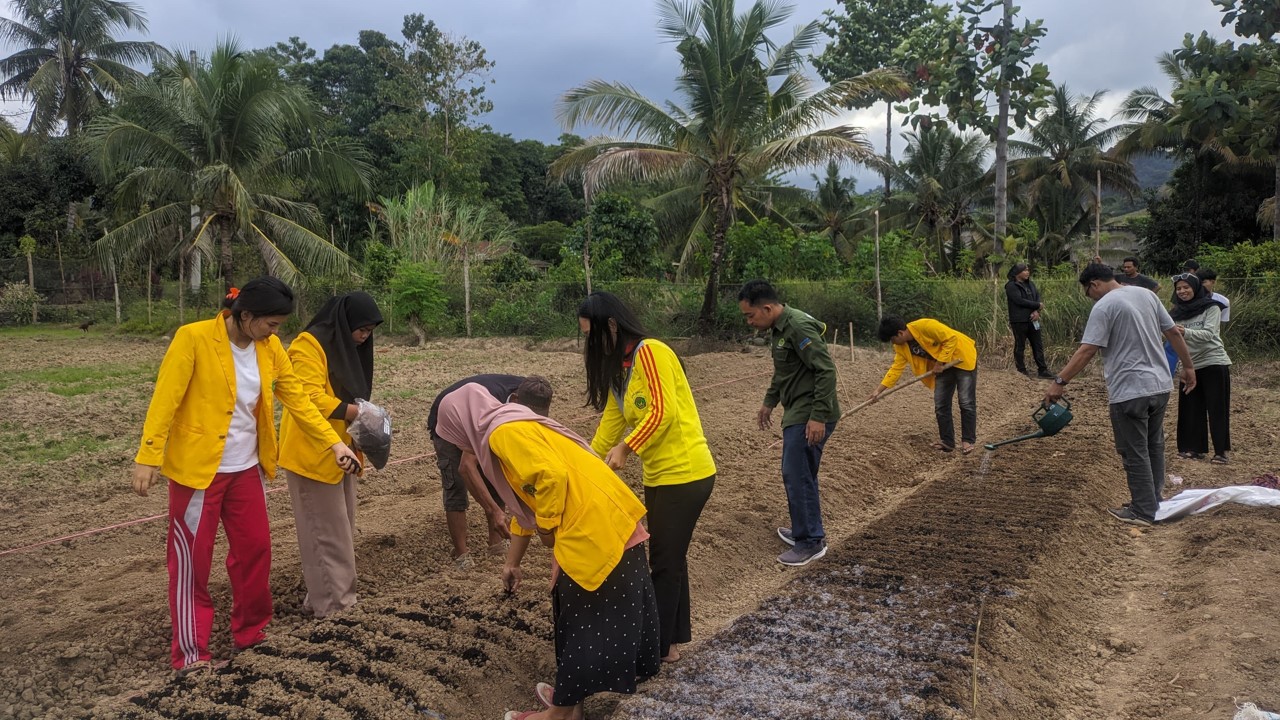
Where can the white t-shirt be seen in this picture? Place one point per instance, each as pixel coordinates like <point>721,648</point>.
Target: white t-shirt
<point>241,451</point>
<point>1128,323</point>
<point>1226,306</point>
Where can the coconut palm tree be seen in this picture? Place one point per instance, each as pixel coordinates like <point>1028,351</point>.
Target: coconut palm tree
<point>221,136</point>
<point>1152,123</point>
<point>834,211</point>
<point>748,111</point>
<point>70,63</point>
<point>1058,166</point>
<point>941,178</point>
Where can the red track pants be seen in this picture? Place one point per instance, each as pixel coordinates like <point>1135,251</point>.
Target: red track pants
<point>239,501</point>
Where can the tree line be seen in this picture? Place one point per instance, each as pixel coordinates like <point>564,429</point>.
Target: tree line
<point>372,160</point>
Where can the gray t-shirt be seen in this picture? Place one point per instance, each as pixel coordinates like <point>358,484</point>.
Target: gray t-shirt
<point>1128,323</point>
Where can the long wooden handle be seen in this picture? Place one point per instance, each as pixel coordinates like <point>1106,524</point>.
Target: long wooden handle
<point>895,389</point>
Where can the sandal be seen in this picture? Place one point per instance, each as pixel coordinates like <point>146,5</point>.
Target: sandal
<point>1189,455</point>
<point>937,445</point>
<point>966,448</point>
<point>1219,460</point>
<point>200,667</point>
<point>517,715</point>
<point>545,692</point>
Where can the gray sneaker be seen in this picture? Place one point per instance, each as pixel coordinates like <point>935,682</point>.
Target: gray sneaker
<point>785,534</point>
<point>796,557</point>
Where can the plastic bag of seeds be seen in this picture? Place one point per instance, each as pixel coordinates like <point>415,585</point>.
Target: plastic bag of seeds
<point>371,432</point>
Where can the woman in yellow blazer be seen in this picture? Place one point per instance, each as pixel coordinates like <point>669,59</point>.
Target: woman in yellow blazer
<point>333,358</point>
<point>640,385</point>
<point>210,431</point>
<point>606,625</point>
<point>927,345</point>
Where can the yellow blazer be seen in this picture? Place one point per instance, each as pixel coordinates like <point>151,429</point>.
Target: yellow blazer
<point>186,427</point>
<point>940,341</point>
<point>299,452</point>
<point>571,490</point>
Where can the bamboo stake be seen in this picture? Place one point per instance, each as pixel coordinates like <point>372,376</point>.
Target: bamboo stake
<point>977,631</point>
<point>850,342</point>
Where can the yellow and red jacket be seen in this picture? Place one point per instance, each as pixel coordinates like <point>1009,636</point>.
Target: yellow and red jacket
<point>940,341</point>
<point>299,452</point>
<point>571,491</point>
<point>657,404</point>
<point>186,427</point>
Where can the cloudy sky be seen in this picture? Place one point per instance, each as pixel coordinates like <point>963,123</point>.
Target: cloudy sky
<point>544,47</point>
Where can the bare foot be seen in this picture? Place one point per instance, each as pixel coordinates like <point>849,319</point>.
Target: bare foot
<point>673,655</point>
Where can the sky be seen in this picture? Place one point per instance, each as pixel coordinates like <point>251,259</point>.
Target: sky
<point>544,47</point>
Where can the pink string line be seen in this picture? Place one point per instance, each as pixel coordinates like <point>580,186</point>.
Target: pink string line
<point>139,521</point>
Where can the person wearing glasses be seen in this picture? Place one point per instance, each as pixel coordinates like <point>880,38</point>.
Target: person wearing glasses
<point>1125,325</point>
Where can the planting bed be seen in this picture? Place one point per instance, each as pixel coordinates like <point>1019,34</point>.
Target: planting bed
<point>1077,617</point>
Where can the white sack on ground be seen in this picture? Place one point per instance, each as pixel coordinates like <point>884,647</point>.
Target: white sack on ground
<point>1189,502</point>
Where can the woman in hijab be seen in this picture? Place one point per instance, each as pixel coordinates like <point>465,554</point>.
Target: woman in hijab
<point>1198,317</point>
<point>1024,319</point>
<point>555,487</point>
<point>333,358</point>
<point>210,434</point>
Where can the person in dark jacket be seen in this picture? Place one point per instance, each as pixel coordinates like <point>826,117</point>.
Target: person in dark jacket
<point>1024,319</point>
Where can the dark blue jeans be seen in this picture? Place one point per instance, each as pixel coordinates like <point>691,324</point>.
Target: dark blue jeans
<point>1138,425</point>
<point>800,478</point>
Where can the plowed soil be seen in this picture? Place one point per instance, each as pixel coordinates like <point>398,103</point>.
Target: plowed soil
<point>993,578</point>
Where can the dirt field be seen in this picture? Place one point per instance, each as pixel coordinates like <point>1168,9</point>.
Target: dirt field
<point>934,559</point>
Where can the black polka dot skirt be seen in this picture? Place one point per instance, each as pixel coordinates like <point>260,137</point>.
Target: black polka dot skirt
<point>606,640</point>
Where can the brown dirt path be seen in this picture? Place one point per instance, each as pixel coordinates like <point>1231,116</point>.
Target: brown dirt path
<point>83,624</point>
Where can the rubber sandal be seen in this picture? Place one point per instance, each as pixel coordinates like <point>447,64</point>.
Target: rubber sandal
<point>518,715</point>
<point>1219,460</point>
<point>944,448</point>
<point>199,667</point>
<point>545,692</point>
<point>966,448</point>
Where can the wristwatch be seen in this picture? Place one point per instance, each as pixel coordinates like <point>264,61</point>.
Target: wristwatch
<point>1057,380</point>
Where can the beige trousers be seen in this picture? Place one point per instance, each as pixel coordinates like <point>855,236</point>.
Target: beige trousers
<point>325,517</point>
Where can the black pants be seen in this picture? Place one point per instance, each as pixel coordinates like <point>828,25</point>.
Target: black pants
<point>673,513</point>
<point>1211,397</point>
<point>1022,332</point>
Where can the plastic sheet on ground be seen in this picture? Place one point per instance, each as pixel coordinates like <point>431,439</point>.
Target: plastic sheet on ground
<point>371,433</point>
<point>1249,711</point>
<point>1189,502</point>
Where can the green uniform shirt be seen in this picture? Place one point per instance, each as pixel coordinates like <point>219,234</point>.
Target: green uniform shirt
<point>804,376</point>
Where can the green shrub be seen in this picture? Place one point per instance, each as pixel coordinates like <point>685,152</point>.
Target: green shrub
<point>18,301</point>
<point>418,297</point>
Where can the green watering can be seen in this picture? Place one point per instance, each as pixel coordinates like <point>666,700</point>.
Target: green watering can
<point>1051,420</point>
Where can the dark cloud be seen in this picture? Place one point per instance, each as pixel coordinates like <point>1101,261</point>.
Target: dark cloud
<point>544,48</point>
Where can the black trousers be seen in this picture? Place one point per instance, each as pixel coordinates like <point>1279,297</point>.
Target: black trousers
<point>673,513</point>
<point>1022,332</point>
<point>1212,398</point>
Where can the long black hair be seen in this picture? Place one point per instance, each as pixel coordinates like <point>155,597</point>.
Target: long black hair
<point>604,355</point>
<point>264,296</point>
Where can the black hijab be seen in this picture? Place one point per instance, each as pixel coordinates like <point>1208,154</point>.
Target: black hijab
<point>1199,302</point>
<point>350,365</point>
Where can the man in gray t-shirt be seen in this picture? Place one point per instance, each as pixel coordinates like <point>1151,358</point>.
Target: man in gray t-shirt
<point>1126,325</point>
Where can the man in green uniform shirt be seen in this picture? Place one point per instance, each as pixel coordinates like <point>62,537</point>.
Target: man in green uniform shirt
<point>804,381</point>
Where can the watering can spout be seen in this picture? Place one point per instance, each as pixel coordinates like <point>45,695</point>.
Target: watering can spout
<point>1051,418</point>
